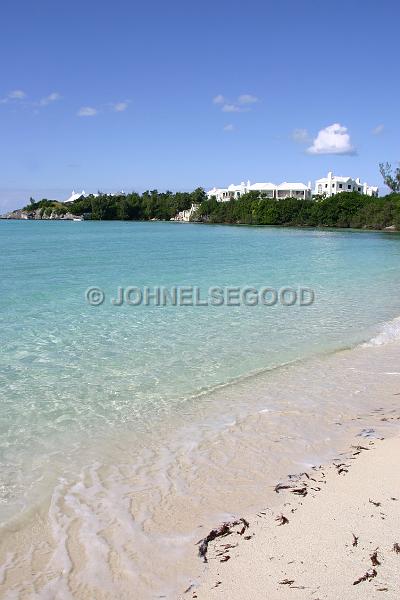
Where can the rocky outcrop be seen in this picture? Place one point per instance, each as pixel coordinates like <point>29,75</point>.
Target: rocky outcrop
<point>37,215</point>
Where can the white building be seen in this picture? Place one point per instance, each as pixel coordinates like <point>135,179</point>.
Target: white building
<point>186,215</point>
<point>221,194</point>
<point>293,190</point>
<point>266,190</point>
<point>232,192</point>
<point>75,196</point>
<point>332,184</point>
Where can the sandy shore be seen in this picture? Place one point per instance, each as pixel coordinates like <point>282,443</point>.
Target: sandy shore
<point>336,534</point>
<point>126,520</point>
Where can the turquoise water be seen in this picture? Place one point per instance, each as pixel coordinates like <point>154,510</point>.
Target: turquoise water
<point>69,368</point>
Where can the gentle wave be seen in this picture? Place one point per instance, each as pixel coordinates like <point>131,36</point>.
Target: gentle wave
<point>135,515</point>
<point>390,332</point>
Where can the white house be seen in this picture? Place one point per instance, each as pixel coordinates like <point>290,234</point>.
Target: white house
<point>232,192</point>
<point>333,184</point>
<point>221,194</point>
<point>267,190</point>
<point>293,190</point>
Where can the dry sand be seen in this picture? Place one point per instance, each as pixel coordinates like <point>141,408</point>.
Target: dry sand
<point>343,531</point>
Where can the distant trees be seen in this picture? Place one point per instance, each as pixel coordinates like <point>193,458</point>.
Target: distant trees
<point>152,204</point>
<point>348,209</point>
<point>44,203</point>
<point>390,178</point>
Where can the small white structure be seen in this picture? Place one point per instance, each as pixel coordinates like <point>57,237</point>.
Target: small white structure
<point>333,184</point>
<point>75,196</point>
<point>266,190</point>
<point>185,215</point>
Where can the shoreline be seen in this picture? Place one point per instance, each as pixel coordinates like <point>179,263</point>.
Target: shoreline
<point>334,534</point>
<point>236,466</point>
<point>389,229</point>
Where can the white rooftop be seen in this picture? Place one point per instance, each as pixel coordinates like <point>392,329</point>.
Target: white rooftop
<point>292,186</point>
<point>262,186</point>
<point>75,196</point>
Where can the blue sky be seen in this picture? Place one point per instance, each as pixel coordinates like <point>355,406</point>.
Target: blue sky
<point>174,95</point>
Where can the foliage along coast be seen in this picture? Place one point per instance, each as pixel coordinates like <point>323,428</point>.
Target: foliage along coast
<point>346,209</point>
<point>342,210</point>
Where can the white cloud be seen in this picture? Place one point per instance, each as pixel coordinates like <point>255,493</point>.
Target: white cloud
<point>334,139</point>
<point>378,129</point>
<point>120,106</point>
<point>242,104</point>
<point>247,99</point>
<point>219,99</point>
<point>87,111</point>
<point>231,108</point>
<point>300,135</point>
<point>13,95</point>
<point>50,98</point>
<point>229,127</point>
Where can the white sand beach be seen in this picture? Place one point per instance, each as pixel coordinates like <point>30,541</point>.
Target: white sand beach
<point>337,537</point>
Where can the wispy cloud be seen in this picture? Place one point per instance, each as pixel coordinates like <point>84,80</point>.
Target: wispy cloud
<point>301,136</point>
<point>333,139</point>
<point>229,127</point>
<point>13,95</point>
<point>219,99</point>
<point>20,97</point>
<point>120,106</point>
<point>49,99</point>
<point>230,108</point>
<point>87,111</point>
<point>247,99</point>
<point>378,129</point>
<point>92,111</point>
<point>241,104</point>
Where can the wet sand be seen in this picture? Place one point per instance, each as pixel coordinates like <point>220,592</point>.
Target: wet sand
<point>131,519</point>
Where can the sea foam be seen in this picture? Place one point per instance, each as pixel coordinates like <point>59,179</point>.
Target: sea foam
<point>389,332</point>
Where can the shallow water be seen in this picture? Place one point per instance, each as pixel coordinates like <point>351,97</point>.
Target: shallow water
<point>127,431</point>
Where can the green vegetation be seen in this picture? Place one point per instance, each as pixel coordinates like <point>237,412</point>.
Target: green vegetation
<point>342,210</point>
<point>46,207</point>
<point>391,179</point>
<point>347,209</point>
<point>134,207</point>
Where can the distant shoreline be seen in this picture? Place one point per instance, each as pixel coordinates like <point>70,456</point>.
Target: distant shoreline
<point>344,210</point>
<point>389,229</point>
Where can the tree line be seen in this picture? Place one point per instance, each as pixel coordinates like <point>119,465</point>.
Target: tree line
<point>150,205</point>
<point>347,209</point>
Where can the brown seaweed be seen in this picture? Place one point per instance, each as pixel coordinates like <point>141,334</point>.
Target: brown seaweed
<point>224,530</point>
<point>366,577</point>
